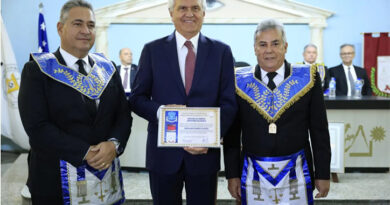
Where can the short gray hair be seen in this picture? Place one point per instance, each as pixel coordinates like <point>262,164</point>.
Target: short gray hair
<point>347,44</point>
<point>270,24</point>
<point>171,4</point>
<point>71,4</point>
<point>309,45</point>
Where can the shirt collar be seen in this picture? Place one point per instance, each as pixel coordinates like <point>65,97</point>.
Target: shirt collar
<point>307,63</point>
<point>180,40</point>
<point>346,67</point>
<point>70,60</point>
<point>279,71</point>
<point>125,66</point>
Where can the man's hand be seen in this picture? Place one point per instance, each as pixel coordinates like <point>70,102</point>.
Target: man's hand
<point>104,152</point>
<point>196,150</point>
<point>322,187</point>
<point>90,153</point>
<point>234,187</point>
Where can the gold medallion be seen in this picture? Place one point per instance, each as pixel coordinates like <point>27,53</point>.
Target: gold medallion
<point>272,128</point>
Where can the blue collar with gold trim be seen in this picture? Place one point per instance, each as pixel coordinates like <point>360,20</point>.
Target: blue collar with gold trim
<point>272,104</point>
<point>321,70</point>
<point>91,85</point>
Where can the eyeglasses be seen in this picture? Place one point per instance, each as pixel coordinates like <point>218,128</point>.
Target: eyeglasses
<point>349,54</point>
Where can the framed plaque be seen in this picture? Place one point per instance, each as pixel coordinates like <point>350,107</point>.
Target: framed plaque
<point>336,132</point>
<point>189,127</point>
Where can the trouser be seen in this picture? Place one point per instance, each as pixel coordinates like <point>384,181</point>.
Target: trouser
<point>167,188</point>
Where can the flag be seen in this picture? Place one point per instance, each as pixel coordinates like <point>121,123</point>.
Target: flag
<point>43,45</point>
<point>377,62</point>
<point>11,124</point>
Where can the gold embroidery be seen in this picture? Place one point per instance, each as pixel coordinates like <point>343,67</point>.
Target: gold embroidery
<point>259,103</point>
<point>294,189</point>
<point>82,191</point>
<point>113,183</point>
<point>273,167</point>
<point>256,190</point>
<point>101,197</point>
<point>89,89</point>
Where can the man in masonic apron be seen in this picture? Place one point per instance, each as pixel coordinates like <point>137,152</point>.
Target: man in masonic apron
<point>75,112</point>
<point>281,107</point>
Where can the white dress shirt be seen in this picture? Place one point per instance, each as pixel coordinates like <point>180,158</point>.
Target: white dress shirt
<point>182,51</point>
<point>347,76</point>
<point>277,79</point>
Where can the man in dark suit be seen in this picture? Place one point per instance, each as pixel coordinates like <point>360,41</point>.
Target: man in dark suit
<point>279,104</point>
<point>346,73</point>
<point>184,68</point>
<point>127,69</point>
<point>75,117</point>
<point>310,57</point>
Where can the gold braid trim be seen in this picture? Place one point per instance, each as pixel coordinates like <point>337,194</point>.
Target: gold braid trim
<point>77,83</point>
<point>260,109</point>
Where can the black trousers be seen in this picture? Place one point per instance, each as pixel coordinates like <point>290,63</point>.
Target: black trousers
<point>167,189</point>
<point>46,200</point>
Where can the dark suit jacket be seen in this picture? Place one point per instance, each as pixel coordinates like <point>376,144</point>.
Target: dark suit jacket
<point>59,126</point>
<point>304,117</point>
<point>133,72</point>
<point>341,80</point>
<point>158,82</point>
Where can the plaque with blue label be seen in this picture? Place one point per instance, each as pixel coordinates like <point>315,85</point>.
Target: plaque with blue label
<point>189,127</point>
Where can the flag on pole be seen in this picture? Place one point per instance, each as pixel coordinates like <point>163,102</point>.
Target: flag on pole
<point>377,61</point>
<point>11,125</point>
<point>43,45</point>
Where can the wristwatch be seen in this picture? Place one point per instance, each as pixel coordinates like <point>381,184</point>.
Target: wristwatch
<point>116,143</point>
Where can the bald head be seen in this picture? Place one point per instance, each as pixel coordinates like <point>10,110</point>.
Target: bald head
<point>126,56</point>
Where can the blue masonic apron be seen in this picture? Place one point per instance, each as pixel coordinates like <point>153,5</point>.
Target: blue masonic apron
<point>84,184</point>
<point>283,179</point>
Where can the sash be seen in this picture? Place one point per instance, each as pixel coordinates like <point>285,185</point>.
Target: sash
<point>276,180</point>
<point>272,104</point>
<point>91,85</point>
<point>86,185</point>
<point>321,71</point>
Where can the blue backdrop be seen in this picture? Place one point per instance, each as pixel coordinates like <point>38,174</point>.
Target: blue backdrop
<point>351,18</point>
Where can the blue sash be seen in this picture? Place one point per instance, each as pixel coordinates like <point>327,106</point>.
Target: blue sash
<point>272,104</point>
<point>276,180</point>
<point>86,185</point>
<point>91,85</point>
<point>321,70</point>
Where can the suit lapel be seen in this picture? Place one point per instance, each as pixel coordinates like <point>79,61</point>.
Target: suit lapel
<point>343,76</point>
<point>171,53</point>
<point>287,69</point>
<point>59,57</point>
<point>201,56</point>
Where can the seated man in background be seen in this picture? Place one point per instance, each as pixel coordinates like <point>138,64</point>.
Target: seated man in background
<point>309,58</point>
<point>346,73</point>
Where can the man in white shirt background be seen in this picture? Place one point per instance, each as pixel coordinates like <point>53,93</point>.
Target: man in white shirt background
<point>346,73</point>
